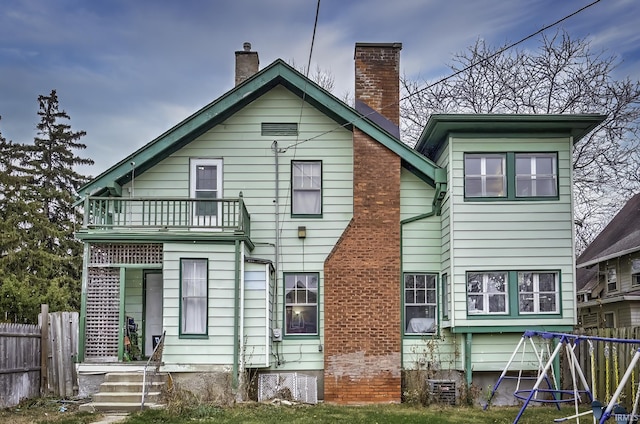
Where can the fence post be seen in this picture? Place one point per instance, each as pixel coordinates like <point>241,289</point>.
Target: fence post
<point>44,348</point>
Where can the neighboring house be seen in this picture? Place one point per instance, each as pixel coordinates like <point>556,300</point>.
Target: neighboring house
<point>608,283</point>
<point>280,230</point>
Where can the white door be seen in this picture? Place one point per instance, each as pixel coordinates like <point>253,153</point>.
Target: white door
<point>152,310</point>
<point>206,187</point>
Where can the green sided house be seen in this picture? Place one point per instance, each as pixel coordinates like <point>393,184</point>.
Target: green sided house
<point>278,230</point>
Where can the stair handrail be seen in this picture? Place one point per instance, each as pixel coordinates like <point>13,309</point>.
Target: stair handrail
<point>156,359</point>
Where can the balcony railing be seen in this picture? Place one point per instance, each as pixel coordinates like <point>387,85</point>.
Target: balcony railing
<point>166,213</point>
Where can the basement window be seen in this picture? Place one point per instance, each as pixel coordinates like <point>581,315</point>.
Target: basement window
<point>275,129</point>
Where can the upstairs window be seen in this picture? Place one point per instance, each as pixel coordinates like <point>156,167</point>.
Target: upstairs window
<point>420,303</point>
<point>612,280</point>
<point>536,175</point>
<point>301,303</point>
<point>538,292</point>
<point>485,175</point>
<point>487,293</point>
<point>635,272</point>
<point>306,197</point>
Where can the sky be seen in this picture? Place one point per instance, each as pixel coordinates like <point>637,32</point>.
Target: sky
<point>127,70</point>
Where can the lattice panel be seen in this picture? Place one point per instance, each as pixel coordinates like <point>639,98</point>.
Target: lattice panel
<point>110,254</point>
<point>103,313</point>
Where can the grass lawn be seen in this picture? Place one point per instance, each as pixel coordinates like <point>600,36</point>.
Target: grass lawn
<point>47,411</point>
<point>378,414</point>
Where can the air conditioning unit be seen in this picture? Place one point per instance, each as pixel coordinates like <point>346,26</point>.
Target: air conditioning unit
<point>443,391</point>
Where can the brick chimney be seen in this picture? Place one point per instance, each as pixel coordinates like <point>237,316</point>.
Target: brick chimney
<point>362,274</point>
<point>247,63</point>
<point>378,78</point>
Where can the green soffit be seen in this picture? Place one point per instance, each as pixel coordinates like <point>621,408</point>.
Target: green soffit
<point>433,137</point>
<point>277,73</point>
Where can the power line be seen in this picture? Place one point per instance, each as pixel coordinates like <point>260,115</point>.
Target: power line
<point>441,80</point>
<point>498,53</point>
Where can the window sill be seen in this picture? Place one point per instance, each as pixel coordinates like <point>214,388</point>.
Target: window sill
<point>193,336</point>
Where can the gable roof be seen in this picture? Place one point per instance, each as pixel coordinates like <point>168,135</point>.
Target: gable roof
<point>620,237</point>
<point>434,136</point>
<point>277,73</point>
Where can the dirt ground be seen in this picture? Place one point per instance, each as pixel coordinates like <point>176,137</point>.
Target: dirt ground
<point>46,411</point>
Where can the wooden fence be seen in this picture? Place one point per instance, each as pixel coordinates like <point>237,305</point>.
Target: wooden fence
<point>609,361</point>
<point>22,359</point>
<point>19,363</point>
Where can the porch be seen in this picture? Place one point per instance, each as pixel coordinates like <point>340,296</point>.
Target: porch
<point>166,214</point>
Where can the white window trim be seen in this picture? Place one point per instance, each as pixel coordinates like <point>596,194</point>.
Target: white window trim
<point>193,164</point>
<point>536,293</point>
<point>612,278</point>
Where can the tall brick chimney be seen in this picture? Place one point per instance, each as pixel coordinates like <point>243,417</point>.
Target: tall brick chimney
<point>247,63</point>
<point>362,274</point>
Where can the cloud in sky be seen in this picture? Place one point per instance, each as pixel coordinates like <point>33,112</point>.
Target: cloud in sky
<point>126,71</point>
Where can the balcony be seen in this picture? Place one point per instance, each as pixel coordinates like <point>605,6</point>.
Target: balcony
<point>166,214</point>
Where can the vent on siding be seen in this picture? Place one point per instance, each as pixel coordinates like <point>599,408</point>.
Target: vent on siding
<point>443,391</point>
<point>279,128</point>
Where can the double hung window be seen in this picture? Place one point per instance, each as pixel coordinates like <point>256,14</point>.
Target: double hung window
<point>485,175</point>
<point>538,292</point>
<point>193,296</point>
<point>487,293</point>
<point>301,303</point>
<point>612,280</point>
<point>635,272</point>
<point>536,175</point>
<point>306,194</point>
<point>510,176</point>
<point>420,303</point>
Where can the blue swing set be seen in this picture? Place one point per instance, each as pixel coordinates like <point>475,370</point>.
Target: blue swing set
<point>552,394</point>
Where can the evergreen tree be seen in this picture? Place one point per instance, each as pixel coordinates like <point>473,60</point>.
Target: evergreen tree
<point>18,300</point>
<point>41,261</point>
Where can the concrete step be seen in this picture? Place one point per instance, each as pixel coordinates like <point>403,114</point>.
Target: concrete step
<point>131,377</point>
<point>116,406</point>
<point>126,397</point>
<point>126,386</point>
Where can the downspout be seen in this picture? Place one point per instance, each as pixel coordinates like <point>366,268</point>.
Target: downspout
<point>467,360</point>
<point>236,318</point>
<point>241,325</point>
<point>276,266</point>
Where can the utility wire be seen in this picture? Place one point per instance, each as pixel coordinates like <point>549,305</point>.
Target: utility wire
<point>302,102</point>
<point>441,80</point>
